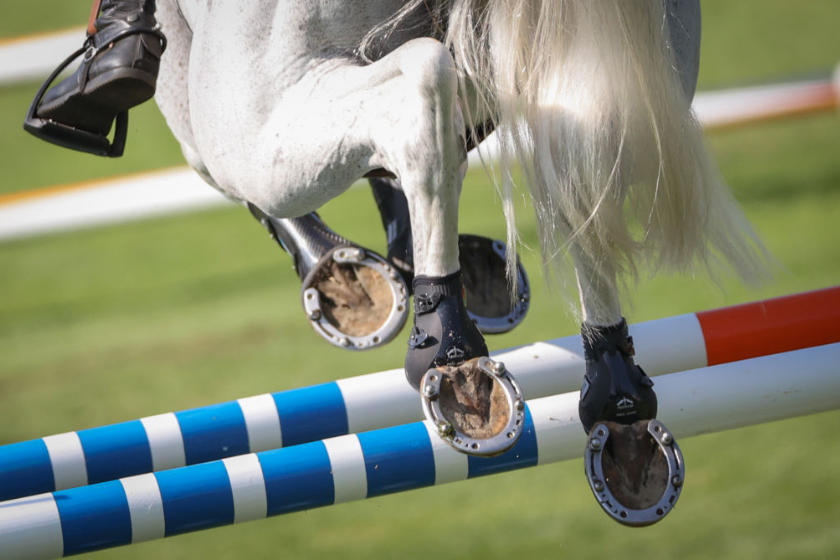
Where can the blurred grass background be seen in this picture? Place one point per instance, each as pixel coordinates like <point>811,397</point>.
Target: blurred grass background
<point>116,323</point>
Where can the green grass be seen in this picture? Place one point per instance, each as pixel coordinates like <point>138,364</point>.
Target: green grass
<point>45,16</point>
<point>748,42</point>
<point>115,323</point>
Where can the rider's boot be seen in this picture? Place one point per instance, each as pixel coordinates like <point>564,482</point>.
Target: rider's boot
<point>482,263</point>
<point>633,464</point>
<point>352,297</point>
<point>473,401</point>
<point>118,71</point>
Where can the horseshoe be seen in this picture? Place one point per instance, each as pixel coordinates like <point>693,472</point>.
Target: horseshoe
<point>499,442</point>
<point>593,462</point>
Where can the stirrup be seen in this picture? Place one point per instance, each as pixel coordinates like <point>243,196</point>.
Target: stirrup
<point>435,389</point>
<point>600,484</point>
<point>322,257</point>
<point>71,137</point>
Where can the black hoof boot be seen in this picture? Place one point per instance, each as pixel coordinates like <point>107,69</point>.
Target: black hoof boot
<point>614,388</point>
<point>352,297</point>
<point>118,71</point>
<point>474,402</point>
<point>482,263</point>
<point>633,464</point>
<point>443,334</point>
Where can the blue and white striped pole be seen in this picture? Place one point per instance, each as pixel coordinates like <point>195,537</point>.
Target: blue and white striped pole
<point>384,399</point>
<point>365,465</point>
<point>286,418</point>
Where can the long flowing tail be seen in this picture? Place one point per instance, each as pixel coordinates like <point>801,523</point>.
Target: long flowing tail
<point>586,97</point>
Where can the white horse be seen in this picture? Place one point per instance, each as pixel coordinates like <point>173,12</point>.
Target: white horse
<point>283,104</point>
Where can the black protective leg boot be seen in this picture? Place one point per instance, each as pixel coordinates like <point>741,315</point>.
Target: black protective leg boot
<point>614,389</point>
<point>393,210</point>
<point>118,71</point>
<point>443,333</point>
<point>475,403</point>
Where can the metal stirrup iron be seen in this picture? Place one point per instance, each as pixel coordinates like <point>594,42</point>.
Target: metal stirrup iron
<point>119,68</point>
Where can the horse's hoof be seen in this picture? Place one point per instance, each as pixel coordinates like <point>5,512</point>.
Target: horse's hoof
<point>477,407</point>
<point>633,464</point>
<point>354,299</point>
<point>636,471</point>
<point>488,298</point>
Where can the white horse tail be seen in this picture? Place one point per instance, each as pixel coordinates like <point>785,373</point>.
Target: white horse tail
<point>586,96</point>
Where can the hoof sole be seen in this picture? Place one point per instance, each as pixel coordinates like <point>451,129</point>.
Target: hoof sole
<point>477,407</point>
<point>354,299</point>
<point>636,472</point>
<point>488,300</point>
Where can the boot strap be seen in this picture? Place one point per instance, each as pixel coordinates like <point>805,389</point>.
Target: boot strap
<point>94,13</point>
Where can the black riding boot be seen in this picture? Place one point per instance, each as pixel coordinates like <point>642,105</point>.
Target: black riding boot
<point>118,71</point>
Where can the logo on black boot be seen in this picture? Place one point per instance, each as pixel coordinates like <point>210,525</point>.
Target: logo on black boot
<point>455,355</point>
<point>625,404</point>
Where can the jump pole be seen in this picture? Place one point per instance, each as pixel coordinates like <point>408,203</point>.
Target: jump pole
<point>384,399</point>
<point>390,460</point>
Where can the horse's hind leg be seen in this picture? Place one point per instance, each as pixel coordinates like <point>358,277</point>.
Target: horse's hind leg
<point>614,387</point>
<point>633,465</point>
